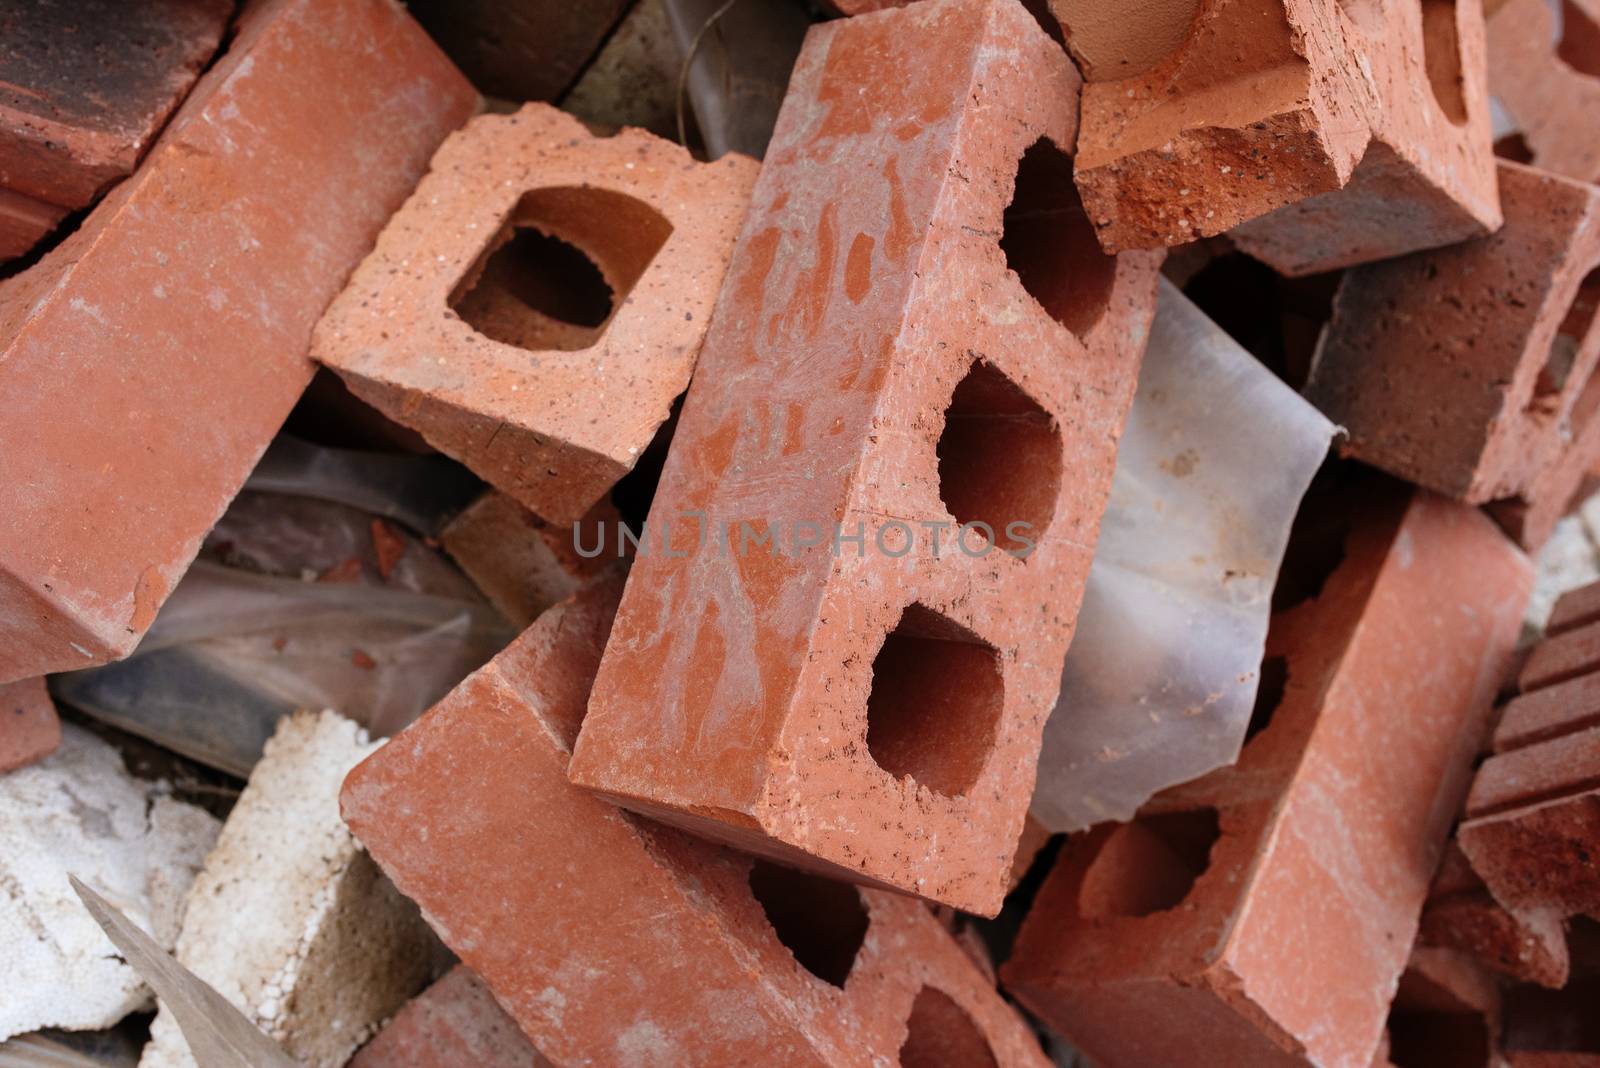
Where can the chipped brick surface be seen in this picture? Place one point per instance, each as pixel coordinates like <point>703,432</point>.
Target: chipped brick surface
<point>147,361</point>
<point>1469,369</point>
<point>1310,116</point>
<point>29,727</point>
<point>874,364</point>
<point>1461,914</point>
<point>1550,83</point>
<point>84,88</point>
<point>1198,924</point>
<point>613,941</point>
<point>463,325</point>
<point>454,1023</point>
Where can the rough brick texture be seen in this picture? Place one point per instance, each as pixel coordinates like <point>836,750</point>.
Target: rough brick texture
<point>1469,370</point>
<point>29,728</point>
<point>84,88</point>
<point>147,361</point>
<point>1219,919</point>
<point>471,324</point>
<point>1352,131</point>
<point>873,709</point>
<point>1550,84</point>
<point>613,941</point>
<point>1445,1014</point>
<point>1461,914</point>
<point>454,1023</point>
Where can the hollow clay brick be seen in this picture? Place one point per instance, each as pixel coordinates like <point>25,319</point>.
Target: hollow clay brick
<point>455,1022</point>
<point>1550,86</point>
<point>1469,369</point>
<point>1312,116</point>
<point>485,354</point>
<point>147,361</point>
<point>873,709</point>
<point>1264,912</point>
<point>29,728</point>
<point>1461,914</point>
<point>614,941</point>
<point>84,89</point>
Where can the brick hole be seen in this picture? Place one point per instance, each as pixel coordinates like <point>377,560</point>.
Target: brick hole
<point>1274,679</point>
<point>820,921</point>
<point>559,267</point>
<point>1439,1040</point>
<point>1514,147</point>
<point>1580,40</point>
<point>999,461</point>
<point>940,1034</point>
<point>934,709</point>
<point>1149,865</point>
<point>1575,327</point>
<point>1051,245</point>
<point>1441,45</point>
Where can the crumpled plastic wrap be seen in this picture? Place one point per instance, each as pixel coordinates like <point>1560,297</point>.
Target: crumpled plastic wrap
<point>1161,678</point>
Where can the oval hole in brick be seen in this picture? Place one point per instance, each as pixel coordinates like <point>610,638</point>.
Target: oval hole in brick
<point>1149,865</point>
<point>1269,694</point>
<point>999,462</point>
<point>820,921</point>
<point>562,263</point>
<point>937,694</point>
<point>940,1034</point>
<point>1580,40</point>
<point>1441,49</point>
<point>1575,327</point>
<point>1049,242</point>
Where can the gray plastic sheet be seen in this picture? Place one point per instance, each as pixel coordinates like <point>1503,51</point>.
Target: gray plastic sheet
<point>1161,678</point>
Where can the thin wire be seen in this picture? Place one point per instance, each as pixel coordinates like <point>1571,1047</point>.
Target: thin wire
<point>688,61</point>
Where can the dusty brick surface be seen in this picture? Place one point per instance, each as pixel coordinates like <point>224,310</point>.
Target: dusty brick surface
<point>1550,84</point>
<point>84,88</point>
<point>613,941</point>
<point>147,361</point>
<point>1469,370</point>
<point>1305,126</point>
<point>451,328</point>
<point>875,364</point>
<point>29,728</point>
<point>454,1023</point>
<point>1216,920</point>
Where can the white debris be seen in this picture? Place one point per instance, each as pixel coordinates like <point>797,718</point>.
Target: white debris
<point>80,812</point>
<point>290,919</point>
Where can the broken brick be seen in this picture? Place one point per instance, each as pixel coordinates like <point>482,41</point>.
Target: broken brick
<point>904,360</point>
<point>84,88</point>
<point>29,727</point>
<point>147,361</point>
<point>1324,134</point>
<point>613,941</point>
<point>537,305</point>
<point>454,1022</point>
<point>1530,944</point>
<point>1469,369</point>
<point>1549,83</point>
<point>1445,1013</point>
<point>1217,919</point>
<point>530,50</point>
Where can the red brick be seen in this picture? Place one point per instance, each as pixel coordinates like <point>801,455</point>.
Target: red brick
<point>613,941</point>
<point>1264,912</point>
<point>1550,87</point>
<point>29,729</point>
<point>464,325</point>
<point>1468,369</point>
<point>455,1022</point>
<point>1574,609</point>
<point>1564,657</point>
<point>1461,914</point>
<point>874,362</point>
<point>1313,118</point>
<point>1445,1014</point>
<point>530,50</point>
<point>147,361</point>
<point>84,89</point>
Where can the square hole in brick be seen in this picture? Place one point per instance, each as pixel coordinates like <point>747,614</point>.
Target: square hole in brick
<point>1149,865</point>
<point>821,921</point>
<point>1051,245</point>
<point>937,694</point>
<point>560,266</point>
<point>999,462</point>
<point>940,1034</point>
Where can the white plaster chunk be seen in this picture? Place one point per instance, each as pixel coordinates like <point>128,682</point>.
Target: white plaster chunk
<point>290,919</point>
<point>80,812</point>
